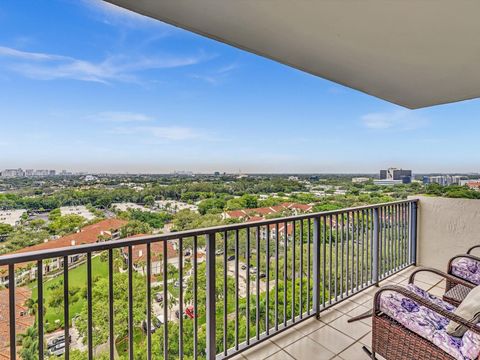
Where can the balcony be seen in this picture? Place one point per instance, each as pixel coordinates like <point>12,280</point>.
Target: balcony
<point>281,288</point>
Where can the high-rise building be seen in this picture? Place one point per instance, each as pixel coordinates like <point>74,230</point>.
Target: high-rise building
<point>396,174</point>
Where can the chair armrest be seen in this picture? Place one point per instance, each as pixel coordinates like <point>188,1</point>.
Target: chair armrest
<point>446,276</point>
<point>469,251</point>
<point>423,302</point>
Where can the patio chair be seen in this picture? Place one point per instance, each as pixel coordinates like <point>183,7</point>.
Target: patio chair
<point>409,323</point>
<point>467,268</point>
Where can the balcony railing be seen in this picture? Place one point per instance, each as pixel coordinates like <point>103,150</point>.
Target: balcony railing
<point>232,286</point>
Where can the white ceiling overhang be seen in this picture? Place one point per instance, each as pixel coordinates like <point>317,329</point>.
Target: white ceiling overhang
<point>414,53</point>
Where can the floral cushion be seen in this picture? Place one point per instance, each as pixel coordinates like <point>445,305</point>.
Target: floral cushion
<point>428,323</point>
<point>467,269</point>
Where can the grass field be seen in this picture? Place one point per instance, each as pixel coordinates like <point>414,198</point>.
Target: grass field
<point>53,288</point>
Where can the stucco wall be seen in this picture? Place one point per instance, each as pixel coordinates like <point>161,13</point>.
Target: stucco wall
<point>446,227</point>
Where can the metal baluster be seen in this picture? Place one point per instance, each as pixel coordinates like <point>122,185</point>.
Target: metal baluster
<point>267,295</point>
<point>342,254</point>
<point>225,292</point>
<point>165,300</point>
<point>324,259</point>
<point>180,298</point>
<point>330,262</point>
<point>149,302</point>
<point>130,303</point>
<point>66,314</point>
<point>308,266</point>
<point>316,268</point>
<point>347,275</point>
<point>285,260</point>
<point>248,288</point>
<point>277,249</point>
<point>357,252</point>
<point>195,297</point>
<point>111,320</point>
<point>257,297</point>
<point>362,263</point>
<point>237,260</point>
<point>375,245</point>
<point>40,308</point>
<point>336,256</point>
<point>12,309</point>
<point>301,269</point>
<point>211,308</point>
<point>89,306</point>
<point>293,271</point>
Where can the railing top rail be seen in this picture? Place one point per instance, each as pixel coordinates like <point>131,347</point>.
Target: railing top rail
<point>116,244</point>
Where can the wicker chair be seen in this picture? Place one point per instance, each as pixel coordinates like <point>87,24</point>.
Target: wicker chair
<point>464,267</point>
<point>394,341</point>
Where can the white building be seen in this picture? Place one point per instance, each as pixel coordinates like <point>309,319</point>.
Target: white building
<point>128,206</point>
<point>77,210</point>
<point>11,217</point>
<point>173,206</point>
<point>359,180</point>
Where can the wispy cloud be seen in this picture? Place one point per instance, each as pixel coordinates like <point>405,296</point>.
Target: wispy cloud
<point>45,66</point>
<point>402,120</point>
<point>120,117</point>
<point>112,14</point>
<point>164,133</point>
<point>216,76</point>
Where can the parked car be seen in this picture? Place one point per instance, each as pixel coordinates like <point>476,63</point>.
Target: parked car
<point>244,267</point>
<point>253,270</point>
<point>262,275</point>
<point>231,258</point>
<point>155,323</point>
<point>190,312</point>
<point>56,340</point>
<point>219,252</point>
<point>159,297</point>
<point>58,349</point>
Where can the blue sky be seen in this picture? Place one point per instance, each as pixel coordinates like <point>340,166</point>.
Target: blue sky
<point>87,86</point>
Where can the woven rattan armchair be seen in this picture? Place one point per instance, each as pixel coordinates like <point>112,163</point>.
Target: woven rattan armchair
<point>454,272</point>
<point>393,341</point>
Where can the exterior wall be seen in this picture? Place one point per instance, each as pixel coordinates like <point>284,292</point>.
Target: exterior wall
<point>446,227</point>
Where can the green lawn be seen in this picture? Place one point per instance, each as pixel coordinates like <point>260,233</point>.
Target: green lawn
<point>53,288</point>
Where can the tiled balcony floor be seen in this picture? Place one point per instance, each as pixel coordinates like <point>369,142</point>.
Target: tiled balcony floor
<point>332,337</point>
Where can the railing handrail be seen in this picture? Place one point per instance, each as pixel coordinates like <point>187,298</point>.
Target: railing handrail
<point>15,258</point>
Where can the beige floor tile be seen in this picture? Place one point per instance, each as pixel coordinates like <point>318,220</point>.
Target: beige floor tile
<point>360,310</point>
<point>367,339</point>
<point>261,351</point>
<point>437,291</point>
<point>346,306</point>
<point>287,337</point>
<point>354,352</point>
<point>361,298</point>
<point>329,315</point>
<point>355,330</point>
<point>332,339</point>
<point>309,326</point>
<point>281,355</point>
<point>428,278</point>
<point>306,348</point>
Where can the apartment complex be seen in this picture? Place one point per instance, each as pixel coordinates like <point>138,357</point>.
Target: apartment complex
<point>11,217</point>
<point>105,229</point>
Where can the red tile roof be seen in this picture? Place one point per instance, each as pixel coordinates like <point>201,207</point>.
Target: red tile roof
<point>247,214</point>
<point>87,235</point>
<point>23,319</point>
<point>139,252</point>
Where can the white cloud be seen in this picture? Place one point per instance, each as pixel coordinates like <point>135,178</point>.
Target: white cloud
<point>217,76</point>
<point>45,66</point>
<point>113,14</point>
<point>402,120</point>
<point>120,117</point>
<point>164,133</point>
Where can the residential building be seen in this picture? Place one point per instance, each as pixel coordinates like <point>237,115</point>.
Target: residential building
<point>12,173</point>
<point>387,182</point>
<point>79,210</point>
<point>11,217</point>
<point>396,174</point>
<point>128,206</point>
<point>101,231</point>
<point>174,206</point>
<point>359,180</point>
<point>444,180</point>
<point>261,213</point>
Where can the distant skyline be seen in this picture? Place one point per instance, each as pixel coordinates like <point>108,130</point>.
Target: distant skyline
<point>86,86</point>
